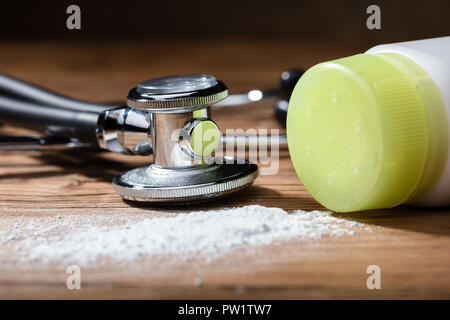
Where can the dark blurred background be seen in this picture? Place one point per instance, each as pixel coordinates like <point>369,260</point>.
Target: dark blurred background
<point>246,43</point>
<point>401,20</point>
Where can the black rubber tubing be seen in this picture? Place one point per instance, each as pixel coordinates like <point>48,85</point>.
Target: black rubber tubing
<point>31,107</point>
<point>50,120</point>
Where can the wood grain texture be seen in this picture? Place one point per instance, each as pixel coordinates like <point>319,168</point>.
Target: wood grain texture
<point>410,245</point>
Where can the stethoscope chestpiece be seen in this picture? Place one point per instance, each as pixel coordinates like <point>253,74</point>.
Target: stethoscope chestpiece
<point>177,94</point>
<point>182,171</point>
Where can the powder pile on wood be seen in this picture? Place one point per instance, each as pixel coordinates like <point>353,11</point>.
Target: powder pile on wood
<point>83,239</point>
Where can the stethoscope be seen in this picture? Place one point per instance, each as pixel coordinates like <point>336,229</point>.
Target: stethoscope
<point>155,110</point>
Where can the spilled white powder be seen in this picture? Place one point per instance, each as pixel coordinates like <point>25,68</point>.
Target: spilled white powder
<point>84,239</point>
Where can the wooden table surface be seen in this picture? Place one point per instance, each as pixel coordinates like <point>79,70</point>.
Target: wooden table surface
<point>410,245</point>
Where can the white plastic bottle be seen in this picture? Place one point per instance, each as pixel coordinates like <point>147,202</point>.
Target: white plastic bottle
<point>433,56</point>
<point>371,131</point>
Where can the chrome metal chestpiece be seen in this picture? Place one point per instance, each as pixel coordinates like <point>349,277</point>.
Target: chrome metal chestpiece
<point>162,115</point>
<point>166,117</point>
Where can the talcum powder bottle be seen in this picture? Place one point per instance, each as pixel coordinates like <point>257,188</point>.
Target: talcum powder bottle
<point>371,131</point>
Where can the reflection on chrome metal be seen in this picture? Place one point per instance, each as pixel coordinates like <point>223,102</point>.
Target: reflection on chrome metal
<point>165,134</point>
<point>282,105</point>
<point>177,84</point>
<point>200,182</point>
<point>38,143</point>
<point>125,131</point>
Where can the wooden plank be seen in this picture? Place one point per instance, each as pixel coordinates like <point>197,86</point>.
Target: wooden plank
<point>410,245</point>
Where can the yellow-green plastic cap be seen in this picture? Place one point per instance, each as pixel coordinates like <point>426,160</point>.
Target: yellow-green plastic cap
<point>205,138</point>
<point>358,133</point>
